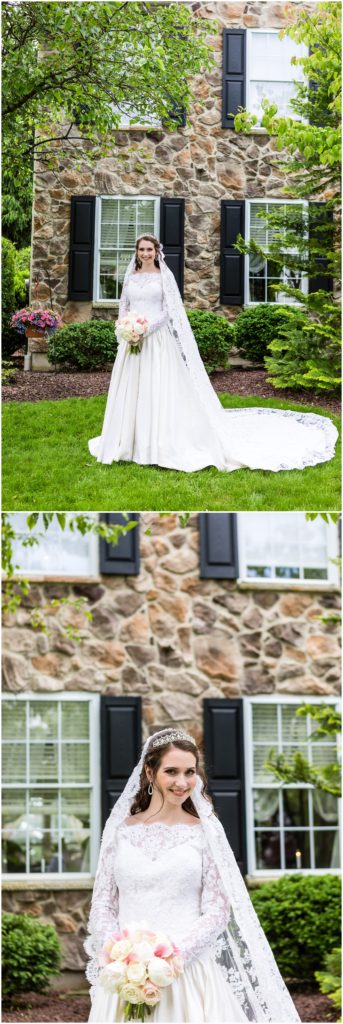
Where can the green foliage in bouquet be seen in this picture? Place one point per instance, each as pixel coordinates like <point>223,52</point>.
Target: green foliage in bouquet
<point>31,953</point>
<point>9,339</point>
<point>87,346</point>
<point>257,326</point>
<point>307,351</point>
<point>214,336</point>
<point>330,980</point>
<point>301,917</point>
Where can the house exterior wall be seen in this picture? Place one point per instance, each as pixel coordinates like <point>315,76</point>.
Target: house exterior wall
<point>174,639</point>
<point>202,163</point>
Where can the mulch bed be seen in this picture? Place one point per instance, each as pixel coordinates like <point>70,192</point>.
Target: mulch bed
<point>312,1007</point>
<point>33,387</point>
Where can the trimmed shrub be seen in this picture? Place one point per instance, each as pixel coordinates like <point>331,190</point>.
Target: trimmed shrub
<point>300,915</point>
<point>214,336</point>
<point>10,339</point>
<point>21,273</point>
<point>87,346</point>
<point>257,326</point>
<point>31,952</point>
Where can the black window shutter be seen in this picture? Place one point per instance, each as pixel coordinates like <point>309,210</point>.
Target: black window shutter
<point>121,725</point>
<point>319,217</point>
<point>177,113</point>
<point>224,763</point>
<point>120,559</point>
<point>231,261</point>
<point>172,236</point>
<point>81,253</point>
<point>234,74</point>
<point>218,545</point>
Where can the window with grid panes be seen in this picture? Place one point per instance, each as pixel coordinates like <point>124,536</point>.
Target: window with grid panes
<point>119,222</point>
<point>287,546</point>
<point>270,72</point>
<point>58,553</point>
<point>46,785</point>
<point>265,273</point>
<point>294,826</point>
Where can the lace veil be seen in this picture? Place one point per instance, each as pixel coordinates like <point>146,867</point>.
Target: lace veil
<point>242,950</point>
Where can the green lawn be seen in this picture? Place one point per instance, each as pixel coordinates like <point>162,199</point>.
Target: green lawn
<point>46,465</point>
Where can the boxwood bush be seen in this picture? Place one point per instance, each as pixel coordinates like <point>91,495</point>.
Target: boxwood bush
<point>300,915</point>
<point>31,952</point>
<point>86,346</point>
<point>257,326</point>
<point>10,338</point>
<point>214,336</point>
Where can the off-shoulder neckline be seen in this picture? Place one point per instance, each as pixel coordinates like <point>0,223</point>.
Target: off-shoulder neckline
<point>147,273</point>
<point>164,824</point>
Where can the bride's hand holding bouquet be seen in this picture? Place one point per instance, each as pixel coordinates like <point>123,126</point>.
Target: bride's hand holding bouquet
<point>132,329</point>
<point>137,964</point>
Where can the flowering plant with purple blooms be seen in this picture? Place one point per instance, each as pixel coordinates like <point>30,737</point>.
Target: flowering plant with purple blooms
<point>45,320</point>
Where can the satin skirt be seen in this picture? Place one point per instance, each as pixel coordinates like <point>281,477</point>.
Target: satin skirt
<point>200,994</point>
<point>154,417</point>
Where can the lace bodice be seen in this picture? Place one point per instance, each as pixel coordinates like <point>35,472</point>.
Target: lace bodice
<point>145,295</point>
<point>163,875</point>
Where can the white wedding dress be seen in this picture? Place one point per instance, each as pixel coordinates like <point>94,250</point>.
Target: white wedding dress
<point>165,877</point>
<point>154,416</point>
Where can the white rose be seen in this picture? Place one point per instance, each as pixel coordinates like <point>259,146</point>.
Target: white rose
<point>143,950</point>
<point>121,949</point>
<point>136,973</point>
<point>116,969</point>
<point>132,993</point>
<point>160,972</point>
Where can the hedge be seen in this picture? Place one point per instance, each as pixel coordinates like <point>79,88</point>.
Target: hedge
<point>31,952</point>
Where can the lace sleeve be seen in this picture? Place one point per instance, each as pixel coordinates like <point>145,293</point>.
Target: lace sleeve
<point>124,304</point>
<point>104,915</point>
<point>162,319</point>
<point>202,936</point>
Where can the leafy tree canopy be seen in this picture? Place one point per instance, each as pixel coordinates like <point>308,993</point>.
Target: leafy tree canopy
<point>92,61</point>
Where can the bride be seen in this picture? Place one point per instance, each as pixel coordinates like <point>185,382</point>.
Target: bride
<point>165,861</point>
<point>162,409</point>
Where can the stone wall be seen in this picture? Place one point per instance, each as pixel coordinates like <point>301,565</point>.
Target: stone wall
<point>174,638</point>
<point>202,163</point>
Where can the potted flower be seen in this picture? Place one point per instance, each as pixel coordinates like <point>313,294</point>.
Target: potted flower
<point>35,321</point>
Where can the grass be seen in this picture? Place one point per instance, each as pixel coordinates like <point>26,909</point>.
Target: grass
<point>46,465</point>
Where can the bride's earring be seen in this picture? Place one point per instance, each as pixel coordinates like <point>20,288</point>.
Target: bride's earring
<point>150,789</point>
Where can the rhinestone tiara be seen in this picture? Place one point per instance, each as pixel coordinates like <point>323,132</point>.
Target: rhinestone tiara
<point>170,736</point>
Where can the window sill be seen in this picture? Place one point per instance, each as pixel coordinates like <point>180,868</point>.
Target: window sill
<point>39,882</point>
<point>301,585</point>
<point>52,578</point>
<point>106,304</point>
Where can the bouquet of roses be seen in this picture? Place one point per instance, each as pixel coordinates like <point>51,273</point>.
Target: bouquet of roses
<point>132,327</point>
<point>137,963</point>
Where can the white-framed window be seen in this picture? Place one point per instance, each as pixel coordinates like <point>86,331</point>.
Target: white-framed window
<point>293,826</point>
<point>58,553</point>
<point>118,222</point>
<point>261,274</point>
<point>285,547</point>
<point>132,118</point>
<point>50,784</point>
<point>270,72</point>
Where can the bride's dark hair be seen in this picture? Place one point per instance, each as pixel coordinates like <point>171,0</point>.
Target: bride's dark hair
<point>153,760</point>
<point>155,242</point>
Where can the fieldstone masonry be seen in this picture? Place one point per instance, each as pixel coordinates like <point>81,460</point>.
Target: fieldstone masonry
<point>202,163</point>
<point>174,639</point>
